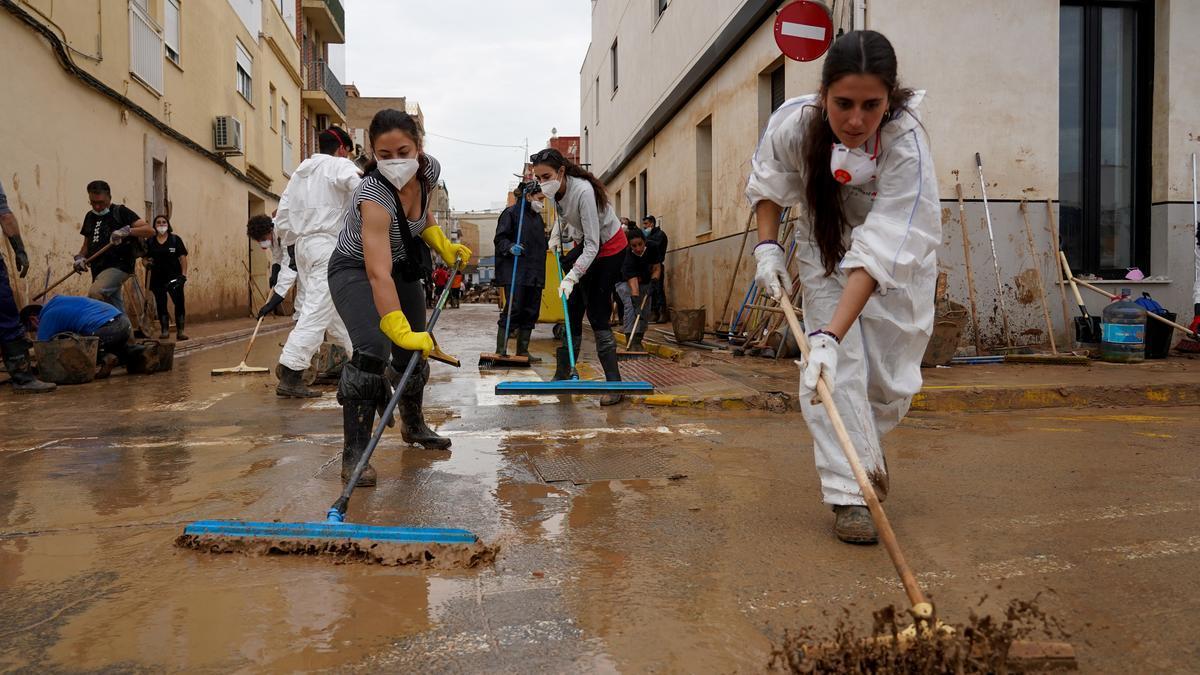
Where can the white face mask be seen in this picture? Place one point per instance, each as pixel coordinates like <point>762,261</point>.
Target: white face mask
<point>161,230</point>
<point>265,244</point>
<point>853,167</point>
<point>398,171</point>
<point>537,205</point>
<point>550,187</point>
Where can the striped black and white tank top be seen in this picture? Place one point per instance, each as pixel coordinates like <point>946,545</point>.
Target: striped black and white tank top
<point>350,243</point>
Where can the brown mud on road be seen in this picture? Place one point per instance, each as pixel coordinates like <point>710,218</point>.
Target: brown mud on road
<point>429,556</point>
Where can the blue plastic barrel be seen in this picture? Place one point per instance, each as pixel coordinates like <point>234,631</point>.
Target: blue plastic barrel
<point>1123,331</point>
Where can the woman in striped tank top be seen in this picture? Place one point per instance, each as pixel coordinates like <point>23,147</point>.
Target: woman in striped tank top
<point>375,277</point>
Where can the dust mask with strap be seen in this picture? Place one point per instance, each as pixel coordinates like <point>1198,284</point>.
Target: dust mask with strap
<point>853,166</point>
<point>398,171</point>
<point>537,205</point>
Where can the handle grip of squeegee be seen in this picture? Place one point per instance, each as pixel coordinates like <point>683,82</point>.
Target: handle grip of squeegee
<point>911,588</point>
<point>512,287</point>
<point>252,337</point>
<point>338,510</point>
<point>72,273</point>
<point>1153,315</point>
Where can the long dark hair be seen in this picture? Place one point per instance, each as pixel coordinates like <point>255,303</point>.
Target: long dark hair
<point>170,230</point>
<point>555,160</point>
<point>390,119</point>
<point>859,52</point>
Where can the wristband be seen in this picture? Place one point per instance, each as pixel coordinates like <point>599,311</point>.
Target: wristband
<point>770,241</point>
<point>826,332</point>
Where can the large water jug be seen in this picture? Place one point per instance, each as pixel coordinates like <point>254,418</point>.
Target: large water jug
<point>1123,329</point>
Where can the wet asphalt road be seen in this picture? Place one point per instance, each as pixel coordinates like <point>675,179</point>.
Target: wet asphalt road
<point>1095,510</point>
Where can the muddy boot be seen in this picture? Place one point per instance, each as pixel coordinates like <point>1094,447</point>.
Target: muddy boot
<point>606,350</point>
<point>562,365</point>
<point>179,336</point>
<point>853,525</point>
<point>291,384</point>
<point>359,391</point>
<point>164,323</point>
<point>105,366</point>
<point>523,335</point>
<point>412,419</point>
<point>16,361</point>
<point>501,341</point>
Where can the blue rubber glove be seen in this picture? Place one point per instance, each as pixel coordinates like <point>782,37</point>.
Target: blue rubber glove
<point>516,249</point>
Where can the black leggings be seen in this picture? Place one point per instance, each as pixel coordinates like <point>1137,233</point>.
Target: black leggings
<point>160,302</point>
<point>352,297</point>
<point>593,296</point>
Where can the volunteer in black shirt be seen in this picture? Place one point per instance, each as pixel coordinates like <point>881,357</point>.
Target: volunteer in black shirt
<point>656,239</point>
<point>168,273</point>
<point>641,270</point>
<point>109,223</point>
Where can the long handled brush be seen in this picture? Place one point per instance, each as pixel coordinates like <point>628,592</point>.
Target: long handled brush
<point>242,368</point>
<point>633,354</point>
<point>68,275</point>
<point>1187,332</point>
<point>503,359</point>
<point>1059,653</point>
<point>574,385</point>
<point>367,543</point>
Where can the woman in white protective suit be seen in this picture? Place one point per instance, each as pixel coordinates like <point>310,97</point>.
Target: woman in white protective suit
<point>855,158</point>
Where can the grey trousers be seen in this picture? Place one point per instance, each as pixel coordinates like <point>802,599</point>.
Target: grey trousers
<point>351,291</point>
<point>106,287</point>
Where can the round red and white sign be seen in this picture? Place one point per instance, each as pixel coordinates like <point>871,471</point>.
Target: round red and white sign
<point>803,30</point>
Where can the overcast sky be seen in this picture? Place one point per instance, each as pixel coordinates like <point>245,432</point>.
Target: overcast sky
<point>482,70</point>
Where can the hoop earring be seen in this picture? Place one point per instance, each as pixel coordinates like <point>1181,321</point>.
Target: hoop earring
<point>824,114</point>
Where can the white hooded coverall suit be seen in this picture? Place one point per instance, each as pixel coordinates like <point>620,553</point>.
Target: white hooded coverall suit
<point>894,230</point>
<point>311,210</point>
<point>287,275</point>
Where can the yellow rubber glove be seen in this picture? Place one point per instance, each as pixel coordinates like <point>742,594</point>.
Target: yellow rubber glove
<point>395,326</point>
<point>447,249</point>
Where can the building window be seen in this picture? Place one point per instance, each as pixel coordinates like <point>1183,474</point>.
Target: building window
<point>587,148</point>
<point>632,192</point>
<point>1105,75</point>
<point>245,72</point>
<point>771,91</point>
<point>145,48</point>
<point>271,105</point>
<point>612,53</point>
<point>597,100</point>
<point>644,201</point>
<point>704,176</point>
<point>617,204</point>
<point>777,95</point>
<point>283,117</point>
<point>171,29</point>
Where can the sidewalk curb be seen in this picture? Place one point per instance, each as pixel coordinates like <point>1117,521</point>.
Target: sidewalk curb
<point>773,403</point>
<point>655,348</point>
<point>221,339</point>
<point>992,399</point>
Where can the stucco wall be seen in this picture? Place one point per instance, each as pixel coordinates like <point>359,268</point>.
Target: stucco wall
<point>79,135</point>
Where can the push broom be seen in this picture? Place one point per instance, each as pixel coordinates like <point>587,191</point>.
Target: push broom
<point>369,543</point>
<point>1056,655</point>
<point>242,368</point>
<point>574,385</point>
<point>634,354</point>
<point>503,359</point>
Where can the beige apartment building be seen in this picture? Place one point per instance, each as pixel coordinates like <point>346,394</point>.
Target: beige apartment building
<point>1091,105</point>
<point>323,23</point>
<point>193,109</point>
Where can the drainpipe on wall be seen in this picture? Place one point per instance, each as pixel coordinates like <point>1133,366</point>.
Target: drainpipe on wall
<point>860,15</point>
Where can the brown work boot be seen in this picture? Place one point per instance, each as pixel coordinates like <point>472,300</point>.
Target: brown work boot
<point>853,524</point>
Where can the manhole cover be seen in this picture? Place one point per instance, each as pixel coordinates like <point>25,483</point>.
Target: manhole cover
<point>580,470</point>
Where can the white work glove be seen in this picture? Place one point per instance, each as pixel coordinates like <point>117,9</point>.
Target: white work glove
<point>567,284</point>
<point>556,245</point>
<point>771,275</point>
<point>822,360</point>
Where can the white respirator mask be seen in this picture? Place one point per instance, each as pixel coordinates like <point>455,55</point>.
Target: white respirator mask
<point>537,205</point>
<point>398,171</point>
<point>161,230</point>
<point>265,244</point>
<point>550,187</point>
<point>853,166</point>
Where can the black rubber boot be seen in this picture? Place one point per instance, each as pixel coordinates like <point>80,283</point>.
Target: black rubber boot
<point>413,428</point>
<point>853,524</point>
<point>562,366</point>
<point>164,323</point>
<point>291,384</point>
<point>179,336</point>
<point>523,335</point>
<point>501,341</point>
<point>606,350</point>
<point>16,361</point>
<point>358,393</point>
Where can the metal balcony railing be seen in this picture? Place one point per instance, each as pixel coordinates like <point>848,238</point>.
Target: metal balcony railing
<point>339,14</point>
<point>320,77</point>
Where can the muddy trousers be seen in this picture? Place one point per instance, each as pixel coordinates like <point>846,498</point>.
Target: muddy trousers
<point>526,305</point>
<point>318,314</point>
<point>878,372</point>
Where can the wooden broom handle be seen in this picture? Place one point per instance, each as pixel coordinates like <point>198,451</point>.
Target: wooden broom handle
<point>72,273</point>
<point>915,595</point>
<point>1152,315</point>
<point>252,336</point>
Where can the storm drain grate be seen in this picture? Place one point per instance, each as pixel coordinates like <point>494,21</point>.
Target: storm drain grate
<point>622,466</point>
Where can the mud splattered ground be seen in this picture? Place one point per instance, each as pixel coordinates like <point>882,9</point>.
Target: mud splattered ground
<point>1095,510</point>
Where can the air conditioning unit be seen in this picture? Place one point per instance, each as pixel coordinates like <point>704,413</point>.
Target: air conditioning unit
<point>227,134</point>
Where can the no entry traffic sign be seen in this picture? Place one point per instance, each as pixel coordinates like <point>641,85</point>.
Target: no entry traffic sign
<point>803,30</point>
